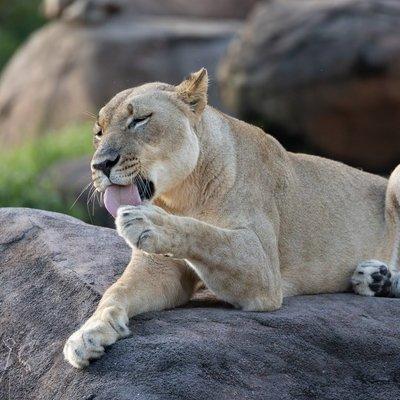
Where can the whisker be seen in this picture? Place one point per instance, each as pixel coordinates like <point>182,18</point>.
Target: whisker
<point>90,198</point>
<point>90,194</point>
<point>87,204</point>
<point>143,185</point>
<point>93,202</point>
<point>90,115</point>
<point>80,194</point>
<point>98,198</point>
<point>146,189</point>
<point>140,183</point>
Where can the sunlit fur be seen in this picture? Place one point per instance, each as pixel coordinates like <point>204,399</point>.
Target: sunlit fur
<point>164,150</point>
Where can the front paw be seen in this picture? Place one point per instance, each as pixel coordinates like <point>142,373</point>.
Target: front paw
<point>102,329</point>
<point>143,227</point>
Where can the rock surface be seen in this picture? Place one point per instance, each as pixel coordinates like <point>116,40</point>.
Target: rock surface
<point>67,70</point>
<point>323,75</point>
<point>53,269</point>
<point>92,10</point>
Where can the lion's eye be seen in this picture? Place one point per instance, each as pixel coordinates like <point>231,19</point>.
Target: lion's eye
<point>138,121</point>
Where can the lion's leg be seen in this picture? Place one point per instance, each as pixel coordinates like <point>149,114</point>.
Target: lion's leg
<point>232,262</point>
<point>392,216</point>
<point>149,283</point>
<point>373,277</point>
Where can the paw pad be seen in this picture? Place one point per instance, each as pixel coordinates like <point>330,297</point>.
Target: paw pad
<point>372,278</point>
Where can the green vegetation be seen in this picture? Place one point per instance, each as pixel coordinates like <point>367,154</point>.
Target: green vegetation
<point>22,170</point>
<point>18,18</point>
<point>23,180</point>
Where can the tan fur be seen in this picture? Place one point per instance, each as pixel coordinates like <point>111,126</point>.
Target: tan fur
<point>232,208</point>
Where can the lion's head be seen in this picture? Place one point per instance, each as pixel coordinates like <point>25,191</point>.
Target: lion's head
<point>145,142</point>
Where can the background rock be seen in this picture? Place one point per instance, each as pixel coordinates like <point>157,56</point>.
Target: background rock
<point>93,10</point>
<point>323,76</point>
<point>53,269</point>
<point>66,71</point>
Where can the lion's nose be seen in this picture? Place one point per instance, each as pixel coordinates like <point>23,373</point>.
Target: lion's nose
<point>106,166</point>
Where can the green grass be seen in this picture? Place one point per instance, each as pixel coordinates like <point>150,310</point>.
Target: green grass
<point>18,18</point>
<point>22,170</point>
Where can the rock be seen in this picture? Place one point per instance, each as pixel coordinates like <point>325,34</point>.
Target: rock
<point>53,269</point>
<point>83,10</point>
<point>66,71</point>
<point>321,73</point>
<point>95,10</point>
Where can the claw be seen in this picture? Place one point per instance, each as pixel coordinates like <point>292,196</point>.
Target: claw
<point>88,342</point>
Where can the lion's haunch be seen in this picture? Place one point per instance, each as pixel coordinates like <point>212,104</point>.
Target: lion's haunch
<point>116,196</point>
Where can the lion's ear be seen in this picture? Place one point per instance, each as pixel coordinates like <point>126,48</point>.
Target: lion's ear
<point>193,90</point>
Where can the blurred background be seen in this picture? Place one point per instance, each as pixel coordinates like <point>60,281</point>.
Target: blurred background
<point>322,76</point>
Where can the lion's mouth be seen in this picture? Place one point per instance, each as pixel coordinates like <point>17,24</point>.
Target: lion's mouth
<point>134,194</point>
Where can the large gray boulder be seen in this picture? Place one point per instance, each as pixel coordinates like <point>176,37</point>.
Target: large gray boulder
<point>53,269</point>
<point>66,71</point>
<point>97,10</point>
<point>323,75</point>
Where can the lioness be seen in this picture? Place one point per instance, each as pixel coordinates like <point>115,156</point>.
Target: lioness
<point>208,198</point>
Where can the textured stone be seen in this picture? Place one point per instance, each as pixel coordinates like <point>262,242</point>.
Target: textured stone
<point>323,75</point>
<point>95,10</point>
<point>53,269</point>
<point>66,70</point>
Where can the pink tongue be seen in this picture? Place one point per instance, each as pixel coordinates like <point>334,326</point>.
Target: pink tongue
<point>117,196</point>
